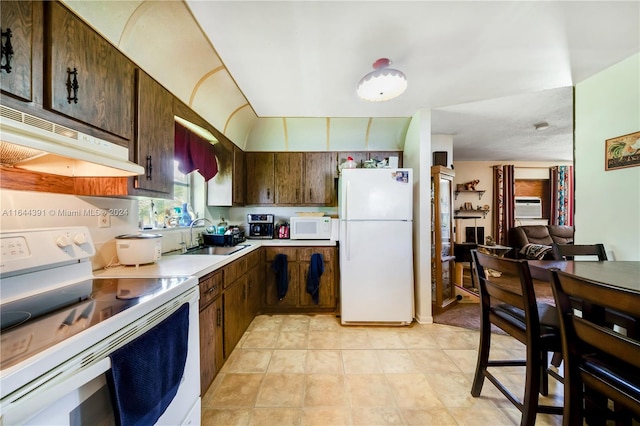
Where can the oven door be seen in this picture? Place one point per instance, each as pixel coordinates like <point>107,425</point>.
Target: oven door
<point>76,393</point>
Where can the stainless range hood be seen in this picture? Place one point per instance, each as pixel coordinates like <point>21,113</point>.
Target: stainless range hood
<point>34,144</point>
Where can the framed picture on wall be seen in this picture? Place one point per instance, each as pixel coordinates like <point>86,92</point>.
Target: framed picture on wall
<point>622,151</point>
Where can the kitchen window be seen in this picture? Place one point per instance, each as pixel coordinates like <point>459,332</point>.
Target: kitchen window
<point>156,213</point>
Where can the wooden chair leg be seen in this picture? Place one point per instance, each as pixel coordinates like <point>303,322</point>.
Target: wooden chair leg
<point>556,360</point>
<point>532,387</point>
<point>544,377</point>
<point>483,358</point>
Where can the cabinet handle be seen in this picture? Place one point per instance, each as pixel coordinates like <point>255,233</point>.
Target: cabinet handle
<point>268,193</point>
<point>72,85</point>
<point>310,194</point>
<point>212,289</point>
<point>7,50</point>
<point>149,167</point>
<point>218,317</point>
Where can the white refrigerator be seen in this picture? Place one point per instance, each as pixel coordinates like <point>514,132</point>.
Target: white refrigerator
<point>376,246</point>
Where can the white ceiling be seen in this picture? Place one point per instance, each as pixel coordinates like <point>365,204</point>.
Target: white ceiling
<point>488,70</point>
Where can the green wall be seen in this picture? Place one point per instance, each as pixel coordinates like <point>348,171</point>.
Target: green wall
<point>607,208</point>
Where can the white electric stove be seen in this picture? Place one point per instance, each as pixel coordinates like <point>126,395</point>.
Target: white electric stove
<point>59,326</point>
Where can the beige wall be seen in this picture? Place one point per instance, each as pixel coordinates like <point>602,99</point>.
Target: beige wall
<point>467,171</point>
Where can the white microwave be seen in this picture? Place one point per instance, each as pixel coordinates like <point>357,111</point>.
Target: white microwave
<point>310,228</point>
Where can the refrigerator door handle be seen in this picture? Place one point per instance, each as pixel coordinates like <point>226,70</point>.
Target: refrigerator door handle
<point>348,247</point>
<point>346,200</point>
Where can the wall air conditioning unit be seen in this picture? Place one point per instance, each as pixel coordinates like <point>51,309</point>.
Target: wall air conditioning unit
<point>528,208</point>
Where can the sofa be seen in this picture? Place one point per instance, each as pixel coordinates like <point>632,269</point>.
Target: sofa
<point>534,241</point>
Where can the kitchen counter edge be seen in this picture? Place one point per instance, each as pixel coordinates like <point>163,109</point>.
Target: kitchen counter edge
<point>199,265</point>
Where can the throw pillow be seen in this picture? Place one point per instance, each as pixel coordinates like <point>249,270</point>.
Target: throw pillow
<point>535,251</point>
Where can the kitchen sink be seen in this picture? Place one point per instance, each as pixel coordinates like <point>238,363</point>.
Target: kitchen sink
<point>216,250</point>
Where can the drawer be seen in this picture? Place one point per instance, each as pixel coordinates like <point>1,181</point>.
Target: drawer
<point>255,258</point>
<point>272,252</point>
<point>304,253</point>
<point>234,270</point>
<point>210,287</point>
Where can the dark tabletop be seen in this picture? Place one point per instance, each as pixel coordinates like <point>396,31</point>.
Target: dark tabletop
<point>619,273</point>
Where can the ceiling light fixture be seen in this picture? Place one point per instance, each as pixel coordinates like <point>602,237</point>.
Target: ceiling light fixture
<point>541,126</point>
<point>383,83</point>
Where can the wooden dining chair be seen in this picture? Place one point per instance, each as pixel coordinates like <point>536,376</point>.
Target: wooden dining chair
<point>507,300</point>
<point>599,361</point>
<point>569,251</point>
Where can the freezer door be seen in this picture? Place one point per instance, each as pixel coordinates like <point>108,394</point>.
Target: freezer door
<point>376,272</point>
<point>376,194</point>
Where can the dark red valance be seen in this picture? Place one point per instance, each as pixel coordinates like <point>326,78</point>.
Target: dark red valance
<point>194,153</point>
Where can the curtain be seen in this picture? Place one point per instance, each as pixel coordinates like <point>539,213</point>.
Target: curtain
<point>503,202</point>
<point>562,195</point>
<point>194,153</point>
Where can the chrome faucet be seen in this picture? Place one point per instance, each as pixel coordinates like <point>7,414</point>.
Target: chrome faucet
<point>204,219</point>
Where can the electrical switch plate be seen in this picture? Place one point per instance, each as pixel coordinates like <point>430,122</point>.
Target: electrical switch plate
<point>104,219</point>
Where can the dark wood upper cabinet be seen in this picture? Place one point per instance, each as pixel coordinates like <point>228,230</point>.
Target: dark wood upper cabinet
<point>154,137</point>
<point>16,21</point>
<point>319,178</point>
<point>260,187</point>
<point>103,95</point>
<point>288,171</point>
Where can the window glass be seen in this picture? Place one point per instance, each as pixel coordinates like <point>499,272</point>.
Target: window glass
<point>155,213</point>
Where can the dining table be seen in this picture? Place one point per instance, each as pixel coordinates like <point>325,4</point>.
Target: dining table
<point>624,274</point>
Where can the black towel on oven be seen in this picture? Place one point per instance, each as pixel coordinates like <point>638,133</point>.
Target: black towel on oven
<point>316,269</point>
<point>281,268</point>
<point>146,372</point>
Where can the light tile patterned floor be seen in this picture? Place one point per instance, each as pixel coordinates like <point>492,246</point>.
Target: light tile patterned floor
<point>310,370</point>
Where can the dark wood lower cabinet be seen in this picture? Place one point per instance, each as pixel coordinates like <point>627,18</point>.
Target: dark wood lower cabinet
<point>231,297</point>
<point>297,299</point>
<point>211,336</point>
<point>211,354</point>
<point>235,313</point>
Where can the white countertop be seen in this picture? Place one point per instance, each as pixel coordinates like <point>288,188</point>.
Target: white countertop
<point>199,265</point>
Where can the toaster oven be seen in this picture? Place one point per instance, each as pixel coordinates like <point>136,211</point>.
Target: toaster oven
<point>260,226</point>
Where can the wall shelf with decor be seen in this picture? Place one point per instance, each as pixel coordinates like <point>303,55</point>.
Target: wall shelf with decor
<point>465,212</point>
<point>479,192</point>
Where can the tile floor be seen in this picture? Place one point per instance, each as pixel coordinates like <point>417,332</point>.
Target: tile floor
<point>310,370</point>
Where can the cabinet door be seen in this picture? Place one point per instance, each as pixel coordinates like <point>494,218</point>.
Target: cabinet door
<point>288,170</point>
<point>104,75</point>
<point>234,300</point>
<point>238,177</point>
<point>17,18</point>
<point>327,291</point>
<point>260,187</point>
<point>154,141</point>
<point>211,350</point>
<point>254,292</point>
<point>271,287</point>
<point>271,282</point>
<point>319,178</point>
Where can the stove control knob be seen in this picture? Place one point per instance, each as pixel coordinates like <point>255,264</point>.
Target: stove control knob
<point>63,241</point>
<point>79,239</point>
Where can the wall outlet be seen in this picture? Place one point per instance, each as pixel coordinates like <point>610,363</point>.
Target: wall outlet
<point>104,219</point>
